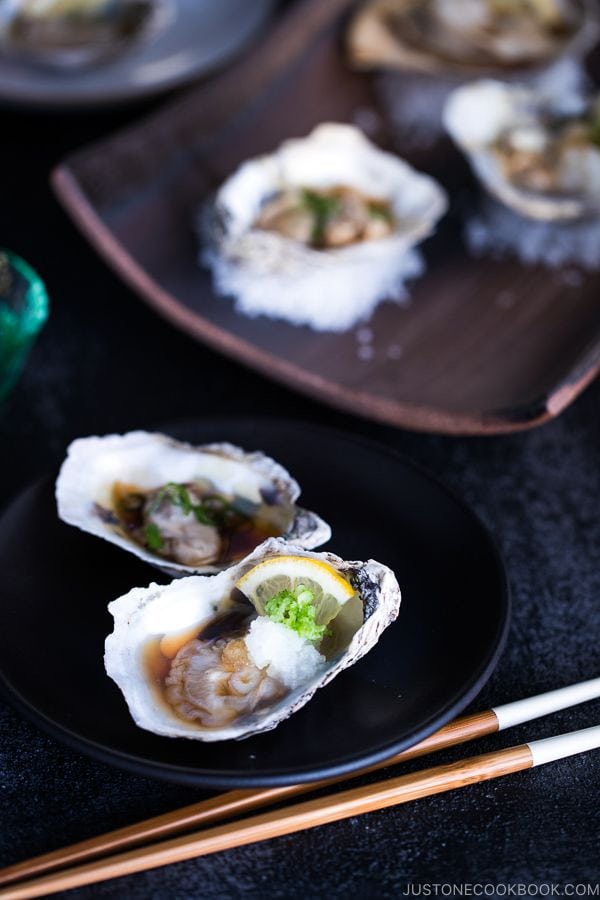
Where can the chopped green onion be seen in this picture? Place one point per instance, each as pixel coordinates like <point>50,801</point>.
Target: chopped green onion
<point>203,516</point>
<point>322,208</point>
<point>153,536</point>
<point>296,611</point>
<point>213,510</point>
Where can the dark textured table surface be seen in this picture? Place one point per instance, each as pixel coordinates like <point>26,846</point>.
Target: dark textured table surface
<point>106,363</point>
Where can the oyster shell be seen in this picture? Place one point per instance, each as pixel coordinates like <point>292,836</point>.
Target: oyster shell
<point>536,154</point>
<point>99,471</point>
<point>178,617</point>
<point>271,273</point>
<point>71,34</point>
<point>469,37</point>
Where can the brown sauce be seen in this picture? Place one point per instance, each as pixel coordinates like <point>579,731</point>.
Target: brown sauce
<point>160,650</point>
<point>239,533</point>
<point>237,543</point>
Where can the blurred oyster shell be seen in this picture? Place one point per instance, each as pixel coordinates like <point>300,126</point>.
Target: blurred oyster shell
<point>147,614</point>
<point>478,115</point>
<point>84,489</point>
<point>270,274</point>
<point>450,37</point>
<point>72,34</point>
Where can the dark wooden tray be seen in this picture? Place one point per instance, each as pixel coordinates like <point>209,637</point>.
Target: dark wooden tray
<point>468,363</point>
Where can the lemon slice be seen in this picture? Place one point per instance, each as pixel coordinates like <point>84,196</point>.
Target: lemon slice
<point>330,590</point>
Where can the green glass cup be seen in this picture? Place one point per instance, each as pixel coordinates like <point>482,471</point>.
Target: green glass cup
<point>23,311</point>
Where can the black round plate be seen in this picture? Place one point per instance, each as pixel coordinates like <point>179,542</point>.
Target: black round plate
<point>425,669</point>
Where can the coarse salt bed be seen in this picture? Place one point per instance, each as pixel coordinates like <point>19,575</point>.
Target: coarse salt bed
<point>286,656</point>
<point>330,298</point>
<point>414,104</point>
<point>498,231</point>
<point>414,101</point>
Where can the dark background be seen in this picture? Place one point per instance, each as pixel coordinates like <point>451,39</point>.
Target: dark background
<point>106,363</point>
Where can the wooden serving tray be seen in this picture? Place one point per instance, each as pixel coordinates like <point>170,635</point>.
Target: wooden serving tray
<point>454,360</point>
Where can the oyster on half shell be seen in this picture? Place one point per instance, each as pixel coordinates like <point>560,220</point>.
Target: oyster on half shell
<point>320,231</point>
<point>182,508</point>
<point>470,37</point>
<point>537,154</point>
<point>235,654</point>
<point>72,34</point>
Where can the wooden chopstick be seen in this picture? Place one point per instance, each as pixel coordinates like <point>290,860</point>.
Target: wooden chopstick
<point>235,802</point>
<point>242,801</point>
<point>311,813</point>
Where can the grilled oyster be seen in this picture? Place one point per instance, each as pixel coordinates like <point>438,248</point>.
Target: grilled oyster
<point>329,215</point>
<point>469,37</point>
<point>237,653</point>
<point>539,155</point>
<point>185,509</point>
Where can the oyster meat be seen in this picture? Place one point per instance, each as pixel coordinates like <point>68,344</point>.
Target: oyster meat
<point>470,36</point>
<point>182,508</point>
<point>329,215</point>
<point>538,155</point>
<point>235,654</point>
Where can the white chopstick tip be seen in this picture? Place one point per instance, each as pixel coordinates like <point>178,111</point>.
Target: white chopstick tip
<point>533,707</point>
<point>563,745</point>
